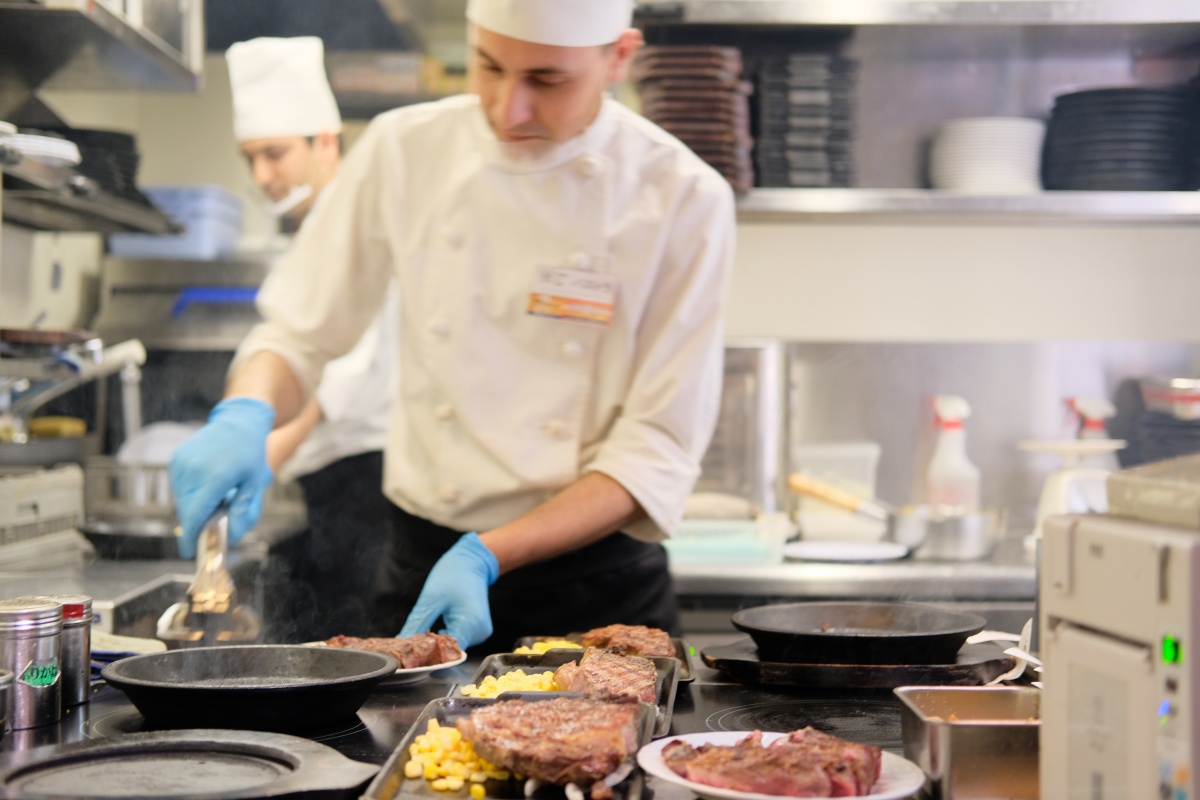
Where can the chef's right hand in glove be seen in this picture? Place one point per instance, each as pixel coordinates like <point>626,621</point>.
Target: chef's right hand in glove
<point>457,591</point>
<point>226,459</point>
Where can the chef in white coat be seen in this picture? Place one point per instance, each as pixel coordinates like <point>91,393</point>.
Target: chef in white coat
<point>563,265</point>
<point>288,128</point>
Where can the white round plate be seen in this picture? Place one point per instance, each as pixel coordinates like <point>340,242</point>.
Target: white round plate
<point>898,777</point>
<point>849,552</point>
<point>413,675</point>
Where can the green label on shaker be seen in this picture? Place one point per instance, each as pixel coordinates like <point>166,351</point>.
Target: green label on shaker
<point>44,674</point>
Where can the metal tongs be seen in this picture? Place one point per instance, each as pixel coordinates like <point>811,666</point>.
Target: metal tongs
<point>210,614</point>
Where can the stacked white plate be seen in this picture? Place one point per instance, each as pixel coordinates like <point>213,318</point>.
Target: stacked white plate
<point>47,149</point>
<point>988,155</point>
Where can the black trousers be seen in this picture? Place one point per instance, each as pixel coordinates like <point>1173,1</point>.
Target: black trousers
<point>617,579</point>
<point>321,581</point>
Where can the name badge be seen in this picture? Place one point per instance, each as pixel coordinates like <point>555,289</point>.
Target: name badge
<point>573,295</point>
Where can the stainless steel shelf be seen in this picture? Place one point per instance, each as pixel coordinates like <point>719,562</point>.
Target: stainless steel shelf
<point>927,206</point>
<point>922,12</point>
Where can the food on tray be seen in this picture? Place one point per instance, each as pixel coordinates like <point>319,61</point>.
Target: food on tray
<point>538,648</point>
<point>560,741</point>
<point>607,676</point>
<point>422,650</point>
<point>449,762</point>
<point>515,681</point>
<point>631,640</point>
<point>805,763</point>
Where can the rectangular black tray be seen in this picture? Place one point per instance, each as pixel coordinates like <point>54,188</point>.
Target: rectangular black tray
<point>390,782</point>
<point>666,679</point>
<point>681,651</point>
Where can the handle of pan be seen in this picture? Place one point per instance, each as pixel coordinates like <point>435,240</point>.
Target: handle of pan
<point>802,484</point>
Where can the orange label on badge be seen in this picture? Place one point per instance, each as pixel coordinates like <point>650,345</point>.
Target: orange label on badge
<point>573,295</point>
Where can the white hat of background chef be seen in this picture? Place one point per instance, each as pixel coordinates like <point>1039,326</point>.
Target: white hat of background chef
<point>280,89</point>
<point>565,23</point>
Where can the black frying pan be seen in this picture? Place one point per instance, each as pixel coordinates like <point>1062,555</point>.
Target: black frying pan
<point>257,687</point>
<point>857,633</point>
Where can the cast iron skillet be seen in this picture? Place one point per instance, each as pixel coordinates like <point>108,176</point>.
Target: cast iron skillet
<point>267,687</point>
<point>857,633</point>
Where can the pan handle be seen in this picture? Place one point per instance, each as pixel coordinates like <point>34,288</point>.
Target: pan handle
<point>804,485</point>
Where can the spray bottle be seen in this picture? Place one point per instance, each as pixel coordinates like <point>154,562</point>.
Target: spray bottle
<point>952,480</point>
<point>1092,413</point>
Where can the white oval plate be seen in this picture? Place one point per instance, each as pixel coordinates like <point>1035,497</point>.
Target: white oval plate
<point>848,552</point>
<point>413,675</point>
<point>898,777</point>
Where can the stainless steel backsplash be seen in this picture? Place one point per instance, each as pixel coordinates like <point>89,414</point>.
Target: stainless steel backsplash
<point>883,392</point>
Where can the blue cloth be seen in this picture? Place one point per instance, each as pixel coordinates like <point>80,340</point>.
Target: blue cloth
<point>457,591</point>
<point>224,460</point>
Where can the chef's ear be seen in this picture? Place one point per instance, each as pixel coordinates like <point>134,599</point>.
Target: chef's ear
<point>623,50</point>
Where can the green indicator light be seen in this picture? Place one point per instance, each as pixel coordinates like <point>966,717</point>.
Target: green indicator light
<point>1172,650</point>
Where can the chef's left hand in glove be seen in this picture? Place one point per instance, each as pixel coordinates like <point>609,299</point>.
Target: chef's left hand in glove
<point>457,591</point>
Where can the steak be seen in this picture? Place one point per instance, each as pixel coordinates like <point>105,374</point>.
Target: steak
<point>565,740</point>
<point>631,640</point>
<point>805,763</point>
<point>609,677</point>
<point>422,650</point>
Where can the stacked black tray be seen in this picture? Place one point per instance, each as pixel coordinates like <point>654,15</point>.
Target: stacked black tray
<point>697,93</point>
<point>805,121</point>
<point>110,158</point>
<point>1122,139</point>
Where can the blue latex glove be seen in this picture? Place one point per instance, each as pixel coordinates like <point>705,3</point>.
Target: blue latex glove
<point>224,460</point>
<point>457,591</point>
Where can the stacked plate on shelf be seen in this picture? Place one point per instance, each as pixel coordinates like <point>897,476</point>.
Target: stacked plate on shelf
<point>805,121</point>
<point>987,155</point>
<point>110,158</point>
<point>696,93</point>
<point>55,151</point>
<point>1122,139</point>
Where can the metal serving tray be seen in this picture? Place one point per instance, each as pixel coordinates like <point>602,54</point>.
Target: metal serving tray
<point>390,783</point>
<point>681,651</point>
<point>666,679</point>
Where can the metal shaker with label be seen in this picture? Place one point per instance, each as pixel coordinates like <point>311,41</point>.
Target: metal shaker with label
<point>76,647</point>
<point>31,648</point>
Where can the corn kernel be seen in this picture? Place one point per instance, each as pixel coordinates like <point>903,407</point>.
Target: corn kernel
<point>440,785</point>
<point>454,784</point>
<point>477,777</point>
<point>477,791</point>
<point>414,769</point>
<point>430,772</point>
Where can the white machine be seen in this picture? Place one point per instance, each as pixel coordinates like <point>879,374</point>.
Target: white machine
<point>1120,638</point>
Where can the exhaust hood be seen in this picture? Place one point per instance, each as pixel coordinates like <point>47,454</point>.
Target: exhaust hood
<point>342,24</point>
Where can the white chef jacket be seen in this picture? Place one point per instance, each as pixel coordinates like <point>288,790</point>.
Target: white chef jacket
<point>499,409</point>
<point>355,395</point>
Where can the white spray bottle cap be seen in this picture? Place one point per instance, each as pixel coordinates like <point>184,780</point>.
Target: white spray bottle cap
<point>950,410</point>
<point>1093,411</point>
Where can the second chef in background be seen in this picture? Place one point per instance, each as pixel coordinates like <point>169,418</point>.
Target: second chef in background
<point>287,126</point>
<point>563,266</point>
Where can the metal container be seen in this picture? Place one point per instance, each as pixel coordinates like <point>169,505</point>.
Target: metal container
<point>31,647</point>
<point>949,536</point>
<point>76,647</point>
<point>6,682</point>
<point>973,741</point>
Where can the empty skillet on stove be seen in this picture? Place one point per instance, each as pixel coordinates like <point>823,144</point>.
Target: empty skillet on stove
<point>857,633</point>
<point>258,687</point>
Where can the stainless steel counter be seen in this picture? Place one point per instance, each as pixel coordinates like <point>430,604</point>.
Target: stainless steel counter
<point>1002,588</point>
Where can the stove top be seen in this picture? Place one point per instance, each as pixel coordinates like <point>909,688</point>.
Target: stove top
<point>712,702</point>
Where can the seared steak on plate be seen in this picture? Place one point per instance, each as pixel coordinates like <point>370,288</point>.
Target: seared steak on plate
<point>422,650</point>
<point>631,640</point>
<point>610,677</point>
<point>565,740</point>
<point>805,763</point>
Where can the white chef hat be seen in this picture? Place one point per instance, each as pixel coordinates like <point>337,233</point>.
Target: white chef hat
<point>280,89</point>
<point>565,23</point>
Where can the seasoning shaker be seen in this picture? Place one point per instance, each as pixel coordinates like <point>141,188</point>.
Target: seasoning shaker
<point>76,647</point>
<point>31,648</point>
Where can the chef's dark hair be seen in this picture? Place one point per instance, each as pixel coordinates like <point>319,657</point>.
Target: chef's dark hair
<point>341,142</point>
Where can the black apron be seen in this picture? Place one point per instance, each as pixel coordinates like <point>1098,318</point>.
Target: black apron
<point>321,581</point>
<point>617,579</point>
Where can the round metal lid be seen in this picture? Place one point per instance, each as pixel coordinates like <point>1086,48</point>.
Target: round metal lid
<point>30,613</point>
